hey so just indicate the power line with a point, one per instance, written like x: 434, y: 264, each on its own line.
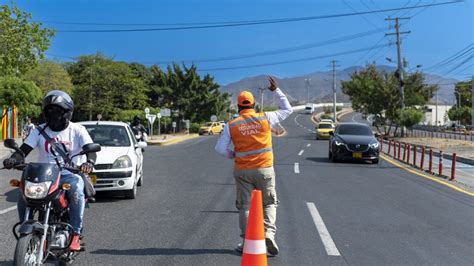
x: 292, y: 61
x: 451, y: 58
x: 254, y: 22
x: 353, y: 9
x: 279, y: 51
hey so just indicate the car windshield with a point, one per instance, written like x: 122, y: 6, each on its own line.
x: 308, y: 108
x: 324, y: 126
x: 208, y: 124
x: 354, y: 130
x: 108, y: 135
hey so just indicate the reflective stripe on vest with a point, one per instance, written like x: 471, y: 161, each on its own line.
x: 247, y: 153
x: 247, y: 120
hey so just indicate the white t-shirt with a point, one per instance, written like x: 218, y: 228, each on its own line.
x: 72, y: 139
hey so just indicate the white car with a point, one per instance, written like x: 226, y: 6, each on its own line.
x: 119, y: 164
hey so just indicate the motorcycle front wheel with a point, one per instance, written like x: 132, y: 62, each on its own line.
x: 27, y: 250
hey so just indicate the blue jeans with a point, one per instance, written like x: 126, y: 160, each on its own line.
x: 75, y: 197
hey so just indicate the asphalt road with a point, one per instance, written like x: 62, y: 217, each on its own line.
x: 329, y: 213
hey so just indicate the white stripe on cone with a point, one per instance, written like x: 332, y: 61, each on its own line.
x: 255, y: 247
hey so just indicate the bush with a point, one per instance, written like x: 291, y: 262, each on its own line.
x: 194, y: 127
x: 410, y: 117
x: 338, y: 108
x: 326, y: 116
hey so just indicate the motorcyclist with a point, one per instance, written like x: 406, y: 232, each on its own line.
x: 57, y: 107
x: 139, y: 129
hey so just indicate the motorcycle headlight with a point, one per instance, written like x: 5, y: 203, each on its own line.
x: 339, y: 143
x: 37, y: 190
x: 374, y: 145
x: 122, y: 162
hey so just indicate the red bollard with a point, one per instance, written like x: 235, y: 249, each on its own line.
x: 414, y: 155
x: 430, y: 163
x: 422, y: 159
x: 394, y: 149
x: 440, y: 166
x: 389, y: 146
x: 408, y: 153
x: 453, y: 167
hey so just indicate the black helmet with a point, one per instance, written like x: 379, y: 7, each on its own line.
x: 136, y: 120
x: 57, y: 109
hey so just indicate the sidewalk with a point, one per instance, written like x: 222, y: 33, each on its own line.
x: 164, y: 140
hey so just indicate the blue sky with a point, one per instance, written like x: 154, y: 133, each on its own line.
x: 436, y: 33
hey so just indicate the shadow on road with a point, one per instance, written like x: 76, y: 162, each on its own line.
x: 6, y: 263
x: 164, y: 252
x: 11, y: 196
x: 220, y: 211
x: 349, y: 163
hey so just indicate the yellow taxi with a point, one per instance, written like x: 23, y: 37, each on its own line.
x: 211, y: 128
x: 324, y: 129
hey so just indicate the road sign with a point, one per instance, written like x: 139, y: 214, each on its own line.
x: 151, y: 118
x: 147, y: 110
x: 99, y: 117
x: 173, y: 124
x: 165, y: 112
x: 213, y: 118
x: 158, y: 115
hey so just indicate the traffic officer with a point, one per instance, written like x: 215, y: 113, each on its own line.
x: 251, y: 136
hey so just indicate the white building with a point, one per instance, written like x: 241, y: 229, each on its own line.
x: 434, y: 113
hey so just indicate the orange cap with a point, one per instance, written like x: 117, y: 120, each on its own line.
x: 245, y: 98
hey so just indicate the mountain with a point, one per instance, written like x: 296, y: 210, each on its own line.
x: 319, y: 86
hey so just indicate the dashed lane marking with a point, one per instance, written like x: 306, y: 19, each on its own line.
x: 300, y: 153
x: 326, y: 238
x: 8, y: 210
x: 308, y: 145
x: 297, y: 168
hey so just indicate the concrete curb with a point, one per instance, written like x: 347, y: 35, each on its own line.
x: 173, y: 141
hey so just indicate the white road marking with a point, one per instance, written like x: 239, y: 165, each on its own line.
x: 297, y: 168
x: 8, y: 210
x: 326, y: 238
x: 301, y: 153
x: 308, y: 145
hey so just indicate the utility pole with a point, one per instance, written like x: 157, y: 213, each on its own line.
x: 472, y: 100
x: 333, y: 62
x: 307, y: 89
x: 399, y: 59
x: 261, y: 89
x: 436, y: 117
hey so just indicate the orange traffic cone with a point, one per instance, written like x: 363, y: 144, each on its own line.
x: 255, y: 249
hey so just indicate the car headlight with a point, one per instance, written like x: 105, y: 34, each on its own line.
x: 339, y: 143
x: 374, y: 145
x: 122, y: 162
x: 37, y: 190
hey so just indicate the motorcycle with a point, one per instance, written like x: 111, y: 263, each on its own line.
x: 45, y: 233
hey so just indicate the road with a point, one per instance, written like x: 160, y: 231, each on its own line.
x: 185, y: 213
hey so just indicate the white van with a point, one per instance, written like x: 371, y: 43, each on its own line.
x: 309, y: 109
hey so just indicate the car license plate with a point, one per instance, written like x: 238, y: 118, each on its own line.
x: 93, y: 179
x: 357, y: 155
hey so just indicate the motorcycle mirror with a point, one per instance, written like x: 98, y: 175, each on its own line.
x: 11, y: 144
x: 91, y: 147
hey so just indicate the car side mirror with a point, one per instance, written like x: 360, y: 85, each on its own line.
x: 91, y: 147
x: 377, y: 135
x: 141, y: 145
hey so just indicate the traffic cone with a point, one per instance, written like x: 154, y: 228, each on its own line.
x: 255, y: 249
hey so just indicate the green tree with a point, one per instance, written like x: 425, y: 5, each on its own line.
x: 376, y: 92
x: 462, y: 111
x: 22, y: 42
x: 25, y: 95
x: 49, y: 75
x: 103, y: 86
x: 409, y: 117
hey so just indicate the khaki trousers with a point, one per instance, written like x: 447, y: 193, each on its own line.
x: 262, y: 179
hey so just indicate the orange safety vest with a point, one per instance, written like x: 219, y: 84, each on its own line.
x: 252, y: 139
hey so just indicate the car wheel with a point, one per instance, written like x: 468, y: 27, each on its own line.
x: 376, y: 161
x: 329, y: 155
x: 211, y: 133
x: 334, y: 158
x: 130, y: 193
x: 140, y: 181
